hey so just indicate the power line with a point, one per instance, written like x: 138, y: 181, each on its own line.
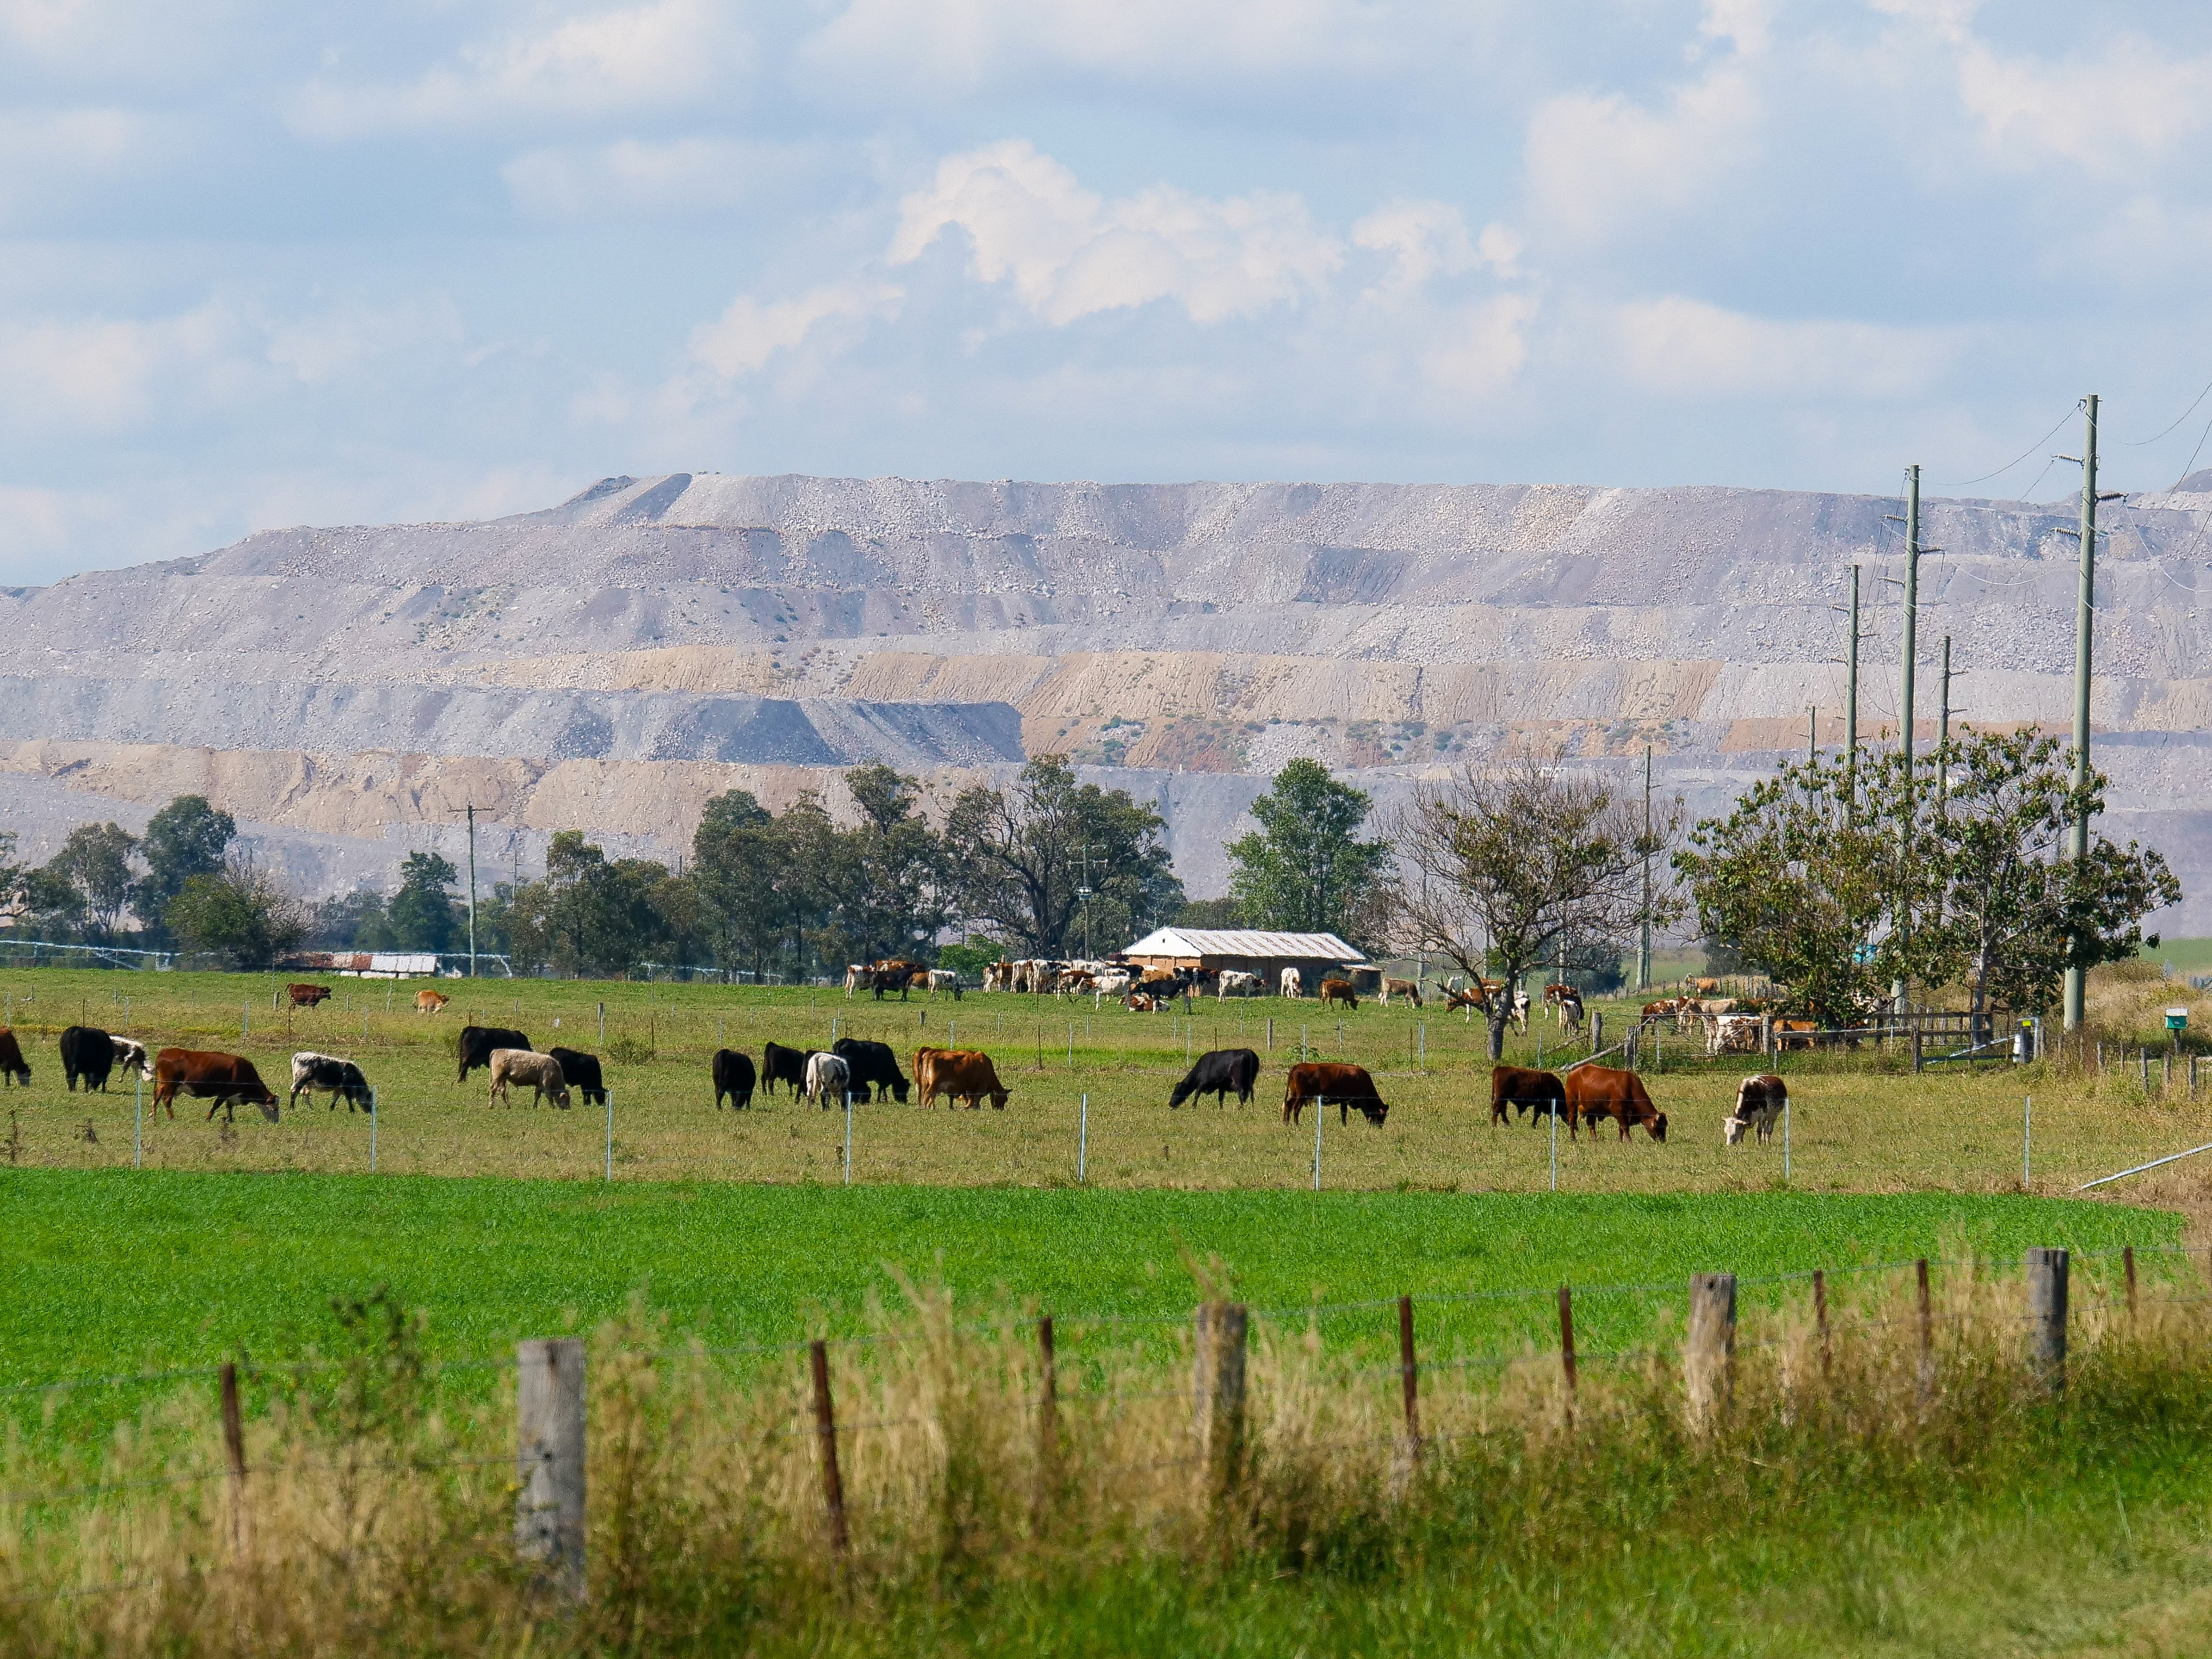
x: 1953, y: 483
x: 2138, y: 443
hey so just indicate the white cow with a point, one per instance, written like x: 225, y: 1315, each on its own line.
x: 829, y: 1079
x: 1759, y: 1099
x: 1113, y: 983
x: 1732, y: 1034
x: 858, y: 978
x: 1235, y: 981
x: 943, y: 979
x: 1571, y: 1014
x: 1294, y: 984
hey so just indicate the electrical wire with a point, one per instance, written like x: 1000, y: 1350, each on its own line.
x: 2138, y: 443
x: 1953, y: 483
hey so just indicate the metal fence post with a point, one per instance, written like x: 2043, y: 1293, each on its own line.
x: 1083, y: 1141
x: 372, y: 1131
x: 549, y: 1459
x: 608, y: 1096
x: 138, y: 1123
x: 2046, y: 1315
x: 1710, y: 1354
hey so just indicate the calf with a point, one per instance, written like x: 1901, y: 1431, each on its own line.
x: 311, y: 1072
x: 733, y: 1076
x: 1599, y: 1092
x: 541, y: 1072
x: 478, y: 1043
x: 430, y: 1002
x: 1217, y: 1074
x: 828, y: 1079
x: 88, y: 1053
x: 306, y: 996
x: 782, y: 1064
x: 1523, y: 1089
x: 1320, y: 1082
x: 225, y: 1080
x: 961, y: 1075
x: 131, y: 1056
x: 871, y: 1065
x: 1758, y: 1100
x: 581, y: 1073
x: 1339, y: 990
x: 13, y: 1066
x: 1408, y: 988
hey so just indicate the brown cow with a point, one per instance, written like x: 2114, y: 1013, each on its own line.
x: 226, y: 1080
x: 1339, y: 990
x: 959, y: 1074
x: 1323, y: 1081
x: 1408, y: 988
x: 306, y: 996
x: 1597, y: 1091
x: 430, y: 1002
x: 15, y: 1069
x: 1796, y: 1033
x: 1705, y: 987
x: 1525, y: 1089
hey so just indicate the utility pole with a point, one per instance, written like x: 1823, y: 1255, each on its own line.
x: 1851, y: 714
x: 1811, y: 733
x: 1084, y: 893
x: 1899, y: 988
x: 1943, y: 734
x: 2085, y: 607
x: 1644, y: 935
x: 470, y: 812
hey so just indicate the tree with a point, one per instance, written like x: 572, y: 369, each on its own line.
x: 883, y: 881
x: 1305, y: 870
x: 1505, y: 865
x: 734, y: 857
x: 350, y: 921
x: 588, y: 914
x: 1015, y: 858
x: 95, y: 860
x: 422, y: 912
x: 187, y: 838
x: 1214, y: 913
x: 241, y: 913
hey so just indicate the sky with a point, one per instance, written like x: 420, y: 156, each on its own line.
x: 272, y: 264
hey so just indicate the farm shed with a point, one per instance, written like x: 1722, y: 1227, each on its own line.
x: 1316, y: 955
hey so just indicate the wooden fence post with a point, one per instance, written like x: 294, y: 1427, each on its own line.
x: 1047, y: 1404
x: 2128, y: 1260
x: 549, y: 1459
x: 1409, y: 1377
x: 1927, y: 1331
x: 825, y: 1434
x: 1710, y: 1354
x: 1219, y: 1391
x: 1821, y: 1318
x: 1567, y: 1348
x: 2046, y: 1315
x: 234, y: 1447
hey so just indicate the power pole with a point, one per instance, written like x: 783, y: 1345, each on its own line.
x: 1897, y: 987
x: 2085, y: 607
x: 1811, y: 733
x: 1851, y: 714
x: 470, y: 812
x: 1943, y: 733
x: 1643, y: 936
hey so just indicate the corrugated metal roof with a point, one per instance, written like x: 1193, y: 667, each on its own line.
x: 1240, y: 942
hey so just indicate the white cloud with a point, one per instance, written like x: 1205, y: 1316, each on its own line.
x: 1070, y: 253
x: 1424, y: 241
x: 634, y: 178
x: 1745, y: 24
x: 747, y: 336
x: 1681, y: 347
x: 48, y: 157
x: 101, y: 375
x: 327, y: 346
x: 1599, y: 165
x: 2135, y: 104
x: 1482, y: 348
x: 667, y: 54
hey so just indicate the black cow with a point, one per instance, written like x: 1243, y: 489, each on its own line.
x: 733, y: 1076
x: 867, y: 1063
x: 478, y: 1041
x: 1216, y: 1075
x: 582, y: 1072
x: 342, y: 1078
x: 88, y: 1053
x: 782, y: 1064
x: 891, y: 979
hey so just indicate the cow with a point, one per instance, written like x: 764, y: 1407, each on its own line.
x: 225, y: 1080
x: 1556, y: 991
x: 541, y: 1072
x: 999, y: 976
x: 1705, y: 987
x: 311, y: 1072
x: 478, y: 1042
x: 1217, y: 1073
x: 945, y: 979
x: 1112, y: 984
x: 1408, y: 988
x: 1294, y: 983
x: 1597, y: 1091
x: 871, y: 1065
x: 88, y: 1053
x: 306, y: 996
x: 827, y: 1080
x: 1469, y: 998
x: 733, y: 1076
x: 431, y: 1002
x: 1339, y: 990
x: 1236, y: 982
x: 1732, y: 1034
x: 1670, y: 1009
x: 581, y: 1073
x: 890, y: 979
x: 857, y: 976
x: 1523, y: 1088
x: 13, y: 1066
x: 1758, y: 1100
x: 959, y: 1074
x: 1796, y: 1033
x: 1570, y: 1014
x: 1320, y: 1082
x: 782, y: 1064
x: 131, y: 1056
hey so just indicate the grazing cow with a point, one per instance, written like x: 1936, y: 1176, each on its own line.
x: 782, y: 1064
x: 733, y: 1076
x: 1526, y: 1089
x: 1216, y: 1075
x: 871, y: 1065
x: 13, y: 1066
x: 1758, y: 1100
x: 1320, y: 1082
x: 478, y: 1042
x: 541, y: 1072
x: 1570, y: 1014
x: 581, y: 1073
x: 959, y: 1074
x: 890, y: 979
x: 857, y: 976
x: 225, y: 1080
x: 1236, y: 982
x: 1469, y: 998
x: 1408, y: 988
x: 431, y: 1002
x: 1339, y: 990
x: 1293, y: 983
x: 311, y: 1072
x: 1732, y: 1034
x: 829, y: 1079
x: 1599, y: 1092
x: 945, y: 979
x: 306, y: 996
x: 88, y: 1053
x: 131, y: 1056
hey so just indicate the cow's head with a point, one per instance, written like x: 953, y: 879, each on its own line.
x: 1658, y: 1125
x: 1374, y: 1111
x: 560, y: 1097
x: 267, y: 1102
x: 1732, y: 1129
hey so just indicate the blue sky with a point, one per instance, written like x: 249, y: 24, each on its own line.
x: 444, y: 258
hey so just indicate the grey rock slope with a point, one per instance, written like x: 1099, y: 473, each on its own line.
x: 610, y: 662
